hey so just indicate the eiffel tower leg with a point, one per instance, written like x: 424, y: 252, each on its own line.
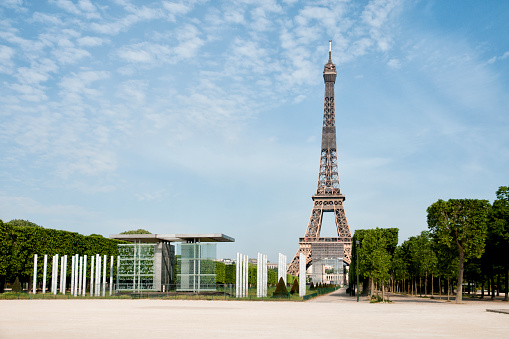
x: 312, y: 232
x: 343, y: 229
x: 293, y: 268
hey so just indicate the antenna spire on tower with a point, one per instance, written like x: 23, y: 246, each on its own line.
x: 330, y: 50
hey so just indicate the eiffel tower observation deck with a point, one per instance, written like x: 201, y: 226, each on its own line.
x: 328, y: 197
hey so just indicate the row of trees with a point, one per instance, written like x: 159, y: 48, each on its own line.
x: 21, y: 239
x: 467, y: 240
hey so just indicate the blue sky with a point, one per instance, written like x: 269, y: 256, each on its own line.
x: 205, y: 117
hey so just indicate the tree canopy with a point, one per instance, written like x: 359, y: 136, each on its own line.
x: 461, y: 224
x: 138, y: 231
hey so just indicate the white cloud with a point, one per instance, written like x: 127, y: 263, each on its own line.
x: 151, y: 196
x: 67, y: 5
x: 15, y: 206
x: 189, y: 42
x: 70, y: 55
x: 15, y: 4
x: 133, y: 91
x: 46, y: 18
x: 145, y: 53
x: 497, y: 58
x: 394, y: 63
x: 6, y: 62
x: 175, y: 9
x: 376, y: 15
x: 29, y: 93
x: 138, y: 14
x: 89, y: 41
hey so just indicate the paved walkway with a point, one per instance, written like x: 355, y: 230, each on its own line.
x: 334, y: 315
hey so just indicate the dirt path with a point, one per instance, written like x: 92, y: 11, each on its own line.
x: 330, y: 316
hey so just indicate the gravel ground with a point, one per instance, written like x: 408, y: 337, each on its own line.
x: 334, y: 315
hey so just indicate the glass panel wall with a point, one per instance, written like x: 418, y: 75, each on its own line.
x: 136, y: 271
x: 196, y: 267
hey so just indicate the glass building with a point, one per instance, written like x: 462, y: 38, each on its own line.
x: 148, y: 263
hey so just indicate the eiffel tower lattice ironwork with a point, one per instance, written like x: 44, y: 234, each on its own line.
x: 328, y: 197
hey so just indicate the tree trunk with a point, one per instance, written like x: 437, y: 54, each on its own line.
x: 383, y: 291
x: 498, y: 285
x: 439, y: 288
x: 506, y: 283
x: 432, y: 285
x: 448, y: 289
x: 482, y: 289
x: 426, y: 285
x: 492, y: 287
x: 459, y: 289
x: 420, y: 286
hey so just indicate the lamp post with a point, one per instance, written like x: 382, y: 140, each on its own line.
x: 357, y: 267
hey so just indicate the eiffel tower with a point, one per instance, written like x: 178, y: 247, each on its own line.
x: 328, y: 197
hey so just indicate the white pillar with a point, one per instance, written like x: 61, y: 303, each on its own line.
x: 111, y: 275
x: 302, y: 274
x: 265, y: 275
x: 54, y: 274
x: 278, y: 267
x: 118, y: 268
x: 84, y: 284
x: 61, y: 287
x: 246, y: 276
x: 92, y: 272
x: 104, y: 276
x: 34, y: 287
x: 281, y: 267
x: 97, y: 275
x: 72, y: 274
x: 55, y: 286
x: 258, y: 275
x: 44, y: 273
x: 52, y: 286
x: 64, y: 275
x: 76, y: 274
x: 237, y: 278
x: 80, y: 275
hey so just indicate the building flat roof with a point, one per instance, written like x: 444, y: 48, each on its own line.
x: 154, y: 238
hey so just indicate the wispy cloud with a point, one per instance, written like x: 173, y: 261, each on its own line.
x: 498, y: 58
x: 6, y: 62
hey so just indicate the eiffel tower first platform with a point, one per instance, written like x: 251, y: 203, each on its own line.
x: 328, y: 197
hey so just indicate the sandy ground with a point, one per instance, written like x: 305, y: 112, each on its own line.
x: 335, y: 315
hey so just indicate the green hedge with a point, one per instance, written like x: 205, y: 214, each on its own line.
x: 18, y: 244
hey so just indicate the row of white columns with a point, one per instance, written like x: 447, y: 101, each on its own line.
x: 281, y: 267
x: 241, y: 275
x: 261, y: 276
x: 78, y: 275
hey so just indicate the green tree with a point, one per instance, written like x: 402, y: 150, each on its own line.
x: 21, y: 222
x: 138, y: 231
x: 399, y: 268
x: 374, y: 256
x: 498, y: 233
x: 5, y: 253
x: 460, y: 223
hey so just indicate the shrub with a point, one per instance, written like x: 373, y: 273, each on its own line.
x: 281, y: 288
x: 295, y: 286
